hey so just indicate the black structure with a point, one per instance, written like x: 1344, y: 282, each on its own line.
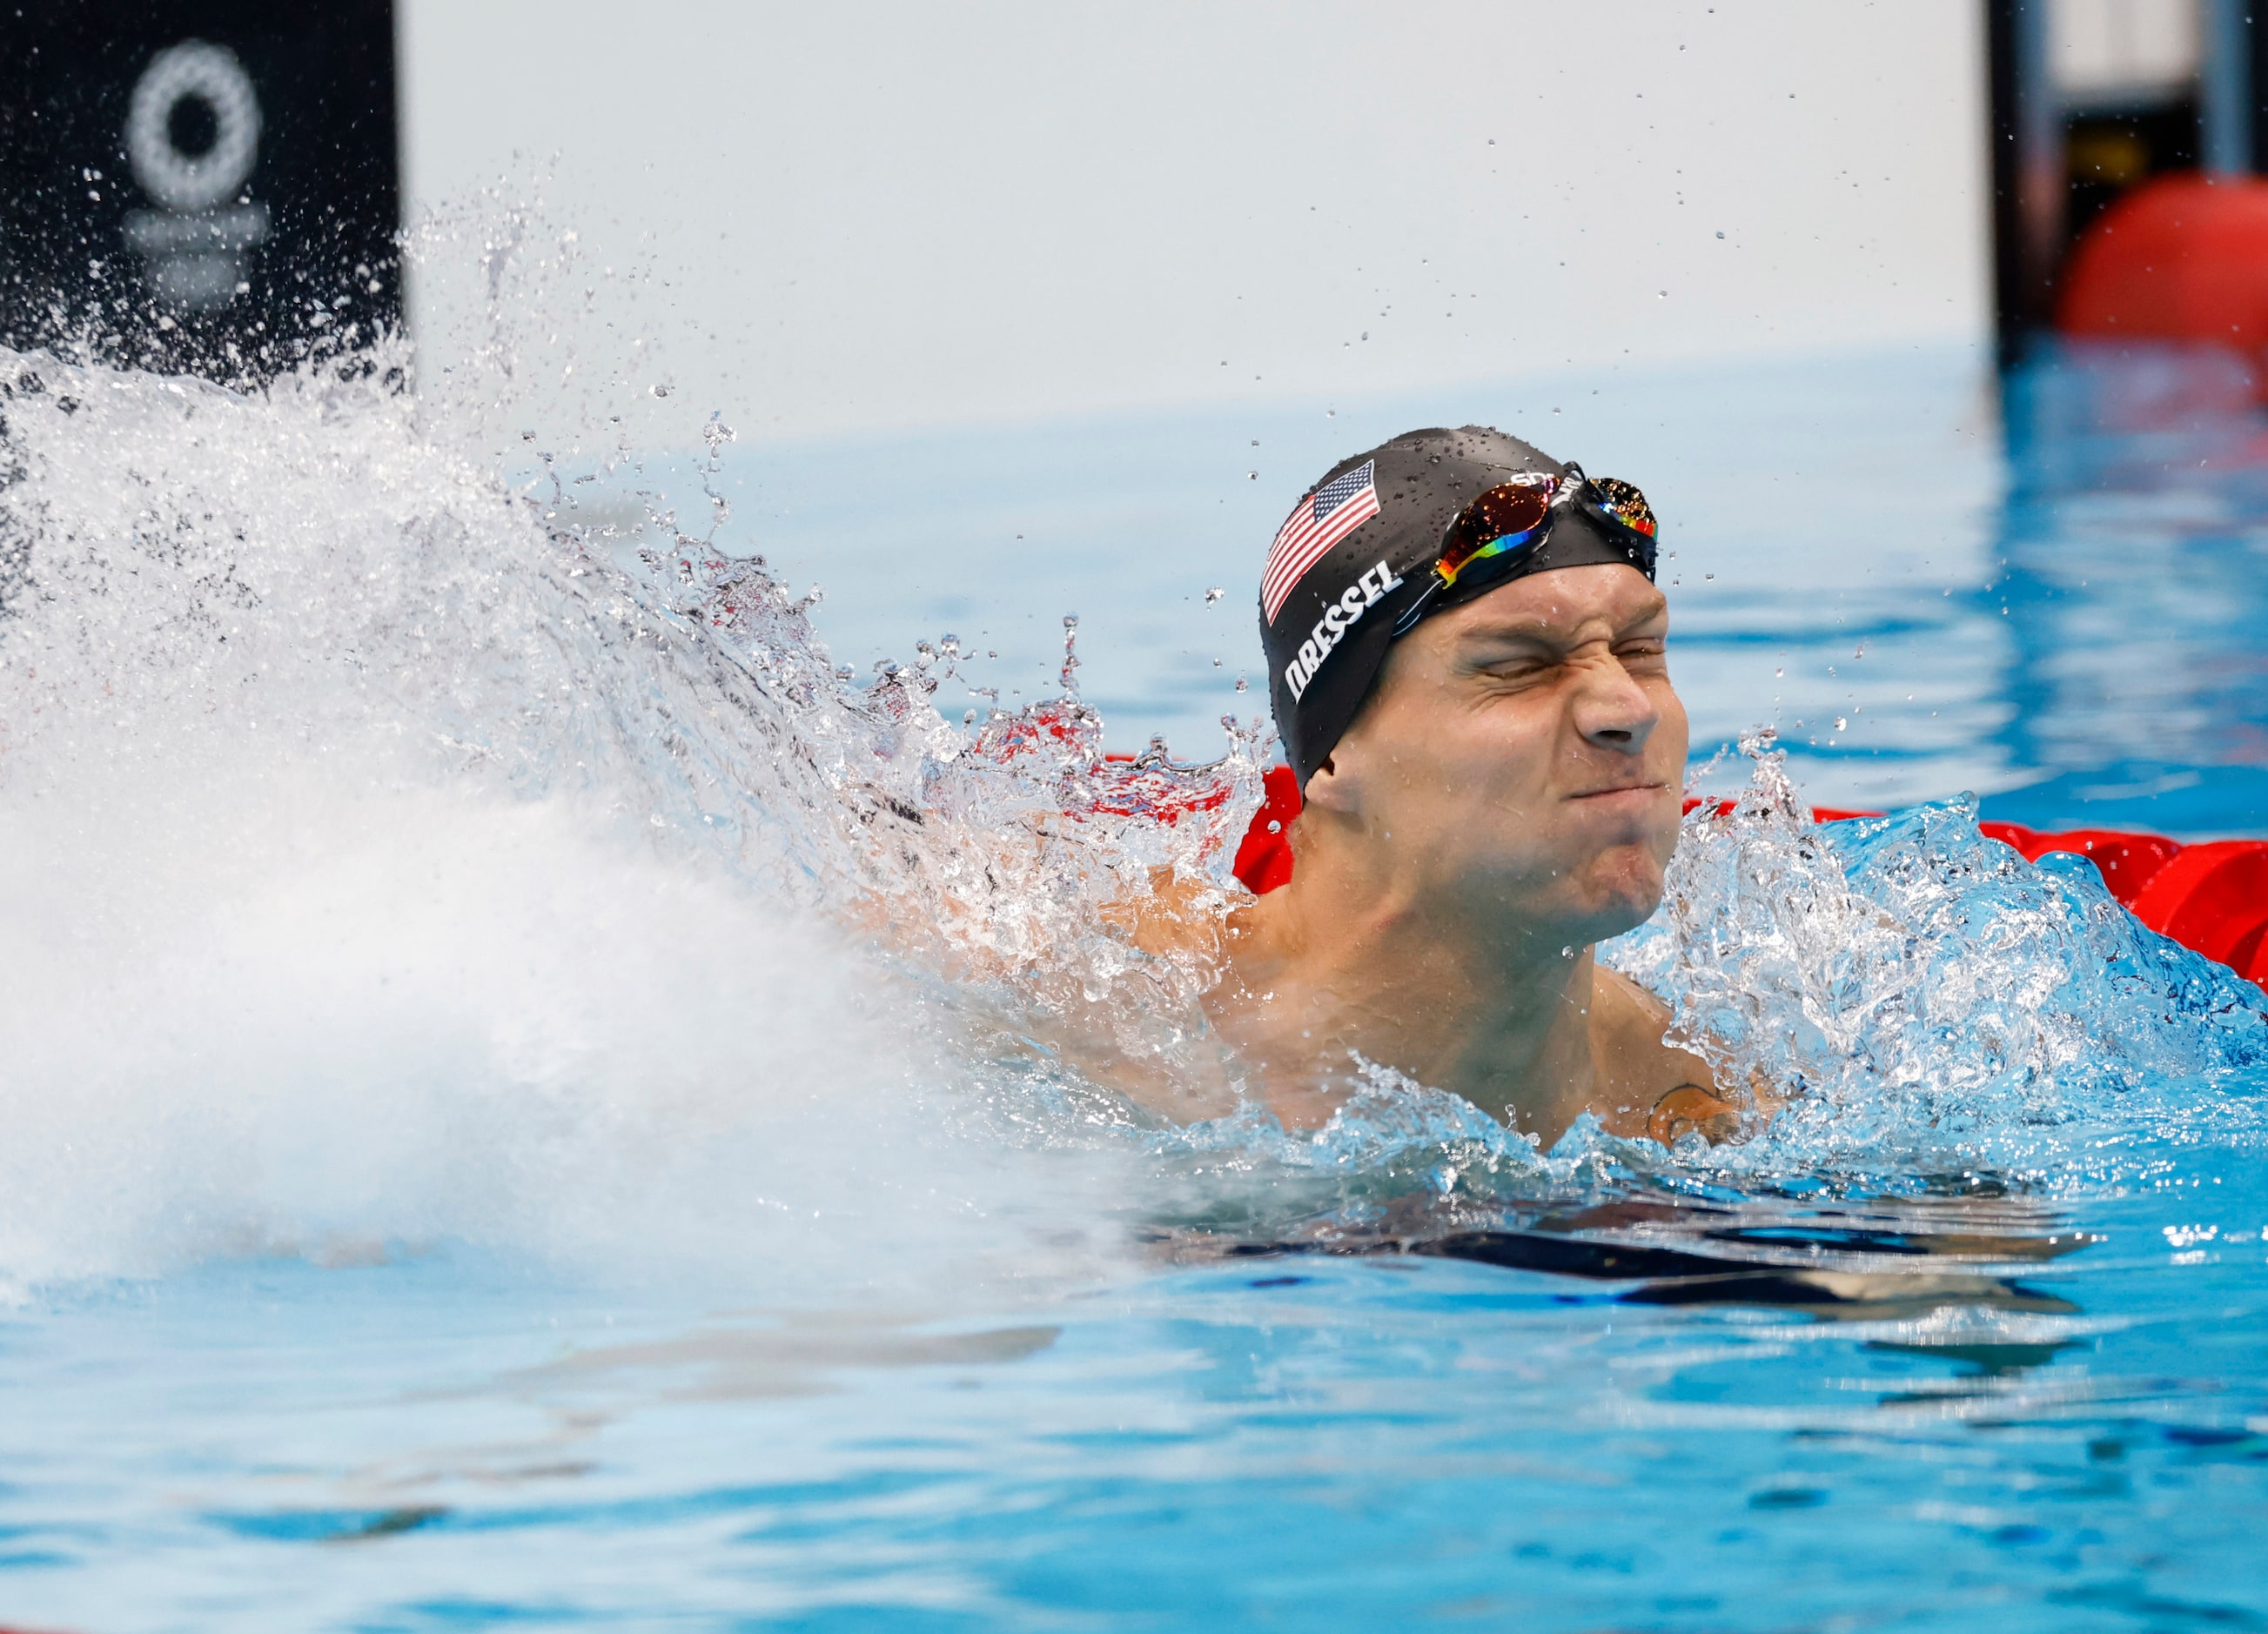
x: 2027, y: 182
x: 2254, y: 15
x: 2058, y: 163
x: 201, y: 185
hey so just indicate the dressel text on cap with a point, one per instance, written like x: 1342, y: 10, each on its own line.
x: 1338, y: 617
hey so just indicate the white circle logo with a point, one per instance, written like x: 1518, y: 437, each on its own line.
x: 209, y: 74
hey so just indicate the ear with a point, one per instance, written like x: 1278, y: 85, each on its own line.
x: 1336, y: 784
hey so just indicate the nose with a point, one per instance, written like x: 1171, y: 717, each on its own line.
x: 1612, y: 710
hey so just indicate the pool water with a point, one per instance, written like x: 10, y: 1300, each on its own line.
x: 456, y: 1216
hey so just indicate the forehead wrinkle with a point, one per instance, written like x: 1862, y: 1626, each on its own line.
x: 1523, y: 624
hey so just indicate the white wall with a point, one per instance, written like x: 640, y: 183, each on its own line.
x: 2109, y: 51
x: 898, y: 214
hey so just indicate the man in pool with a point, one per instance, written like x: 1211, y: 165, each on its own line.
x: 1466, y: 658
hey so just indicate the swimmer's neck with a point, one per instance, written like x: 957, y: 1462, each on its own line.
x: 1334, y: 961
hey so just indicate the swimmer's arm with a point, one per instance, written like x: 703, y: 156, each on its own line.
x: 1177, y: 918
x: 1658, y: 1089
x: 1689, y: 1108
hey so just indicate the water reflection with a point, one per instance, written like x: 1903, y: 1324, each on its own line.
x: 2134, y: 584
x: 1940, y: 1274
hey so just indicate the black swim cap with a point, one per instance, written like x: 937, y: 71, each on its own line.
x: 1356, y: 556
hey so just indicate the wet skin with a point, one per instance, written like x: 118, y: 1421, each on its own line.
x: 1508, y: 797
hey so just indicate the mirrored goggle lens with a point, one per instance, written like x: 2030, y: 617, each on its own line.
x: 1504, y: 520
x: 1623, y: 501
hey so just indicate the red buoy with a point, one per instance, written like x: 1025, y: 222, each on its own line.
x: 2182, y: 257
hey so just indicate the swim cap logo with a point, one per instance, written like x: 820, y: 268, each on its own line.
x: 1338, y: 618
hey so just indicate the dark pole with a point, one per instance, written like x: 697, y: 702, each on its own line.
x: 2256, y: 43
x: 2027, y: 178
x: 2228, y: 105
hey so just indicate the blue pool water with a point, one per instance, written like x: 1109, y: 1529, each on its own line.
x: 452, y: 1216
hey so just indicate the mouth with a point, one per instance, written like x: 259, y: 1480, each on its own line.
x: 1620, y: 792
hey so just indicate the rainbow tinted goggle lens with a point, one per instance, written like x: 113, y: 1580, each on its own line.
x: 1494, y: 535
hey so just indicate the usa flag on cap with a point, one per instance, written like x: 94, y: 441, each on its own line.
x: 1316, y: 523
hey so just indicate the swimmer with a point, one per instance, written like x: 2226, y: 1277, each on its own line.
x: 1466, y: 653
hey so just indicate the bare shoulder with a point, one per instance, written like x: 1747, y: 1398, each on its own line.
x: 1650, y: 1086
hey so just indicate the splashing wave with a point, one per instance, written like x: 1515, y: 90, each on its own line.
x: 385, y: 859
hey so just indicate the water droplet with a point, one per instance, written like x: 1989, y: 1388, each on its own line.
x: 1252, y: 476
x: 1681, y: 48
x: 660, y: 390
x: 1661, y: 294
x: 1274, y: 826
x: 1842, y: 722
x: 1215, y: 593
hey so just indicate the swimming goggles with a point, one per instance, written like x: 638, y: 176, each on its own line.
x: 1496, y: 536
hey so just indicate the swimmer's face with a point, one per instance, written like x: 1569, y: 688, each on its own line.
x: 1523, y: 755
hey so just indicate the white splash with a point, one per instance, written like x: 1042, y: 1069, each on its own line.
x: 391, y: 856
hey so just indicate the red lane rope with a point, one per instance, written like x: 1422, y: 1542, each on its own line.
x: 1263, y: 860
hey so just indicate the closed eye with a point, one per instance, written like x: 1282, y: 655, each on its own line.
x: 1520, y: 665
